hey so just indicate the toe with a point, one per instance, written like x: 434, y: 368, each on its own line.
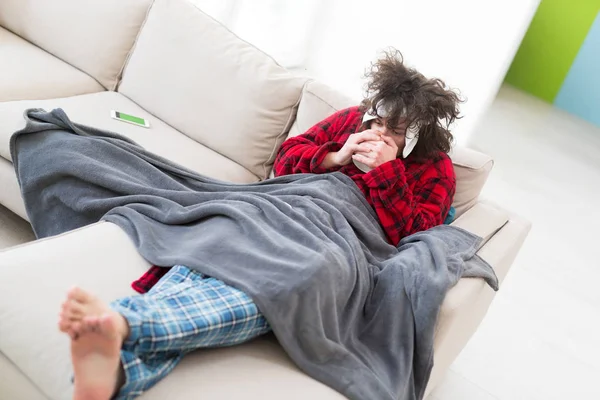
x: 72, y: 314
x: 74, y: 330
x: 64, y: 325
x: 80, y: 295
x: 75, y: 307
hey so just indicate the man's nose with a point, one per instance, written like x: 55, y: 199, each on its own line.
x: 382, y: 130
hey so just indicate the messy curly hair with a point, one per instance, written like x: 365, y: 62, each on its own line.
x: 425, y: 103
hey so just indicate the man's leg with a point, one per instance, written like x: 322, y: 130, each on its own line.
x: 186, y: 310
x: 183, y: 312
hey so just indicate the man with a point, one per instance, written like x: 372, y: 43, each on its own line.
x: 394, y: 147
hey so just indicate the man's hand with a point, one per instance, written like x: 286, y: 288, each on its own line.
x: 377, y: 152
x: 356, y: 143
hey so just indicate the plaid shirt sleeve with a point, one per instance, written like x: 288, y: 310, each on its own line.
x: 149, y: 279
x: 403, y: 211
x: 305, y: 153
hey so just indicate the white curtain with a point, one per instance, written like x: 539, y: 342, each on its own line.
x: 310, y: 36
x: 282, y: 29
x: 467, y: 43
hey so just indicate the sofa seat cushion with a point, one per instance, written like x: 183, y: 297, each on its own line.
x: 259, y: 370
x: 29, y: 72
x: 160, y: 138
x: 102, y: 259
x: 212, y: 86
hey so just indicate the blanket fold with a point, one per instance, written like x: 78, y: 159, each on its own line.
x: 350, y: 309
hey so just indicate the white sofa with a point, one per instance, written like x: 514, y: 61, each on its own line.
x: 217, y: 105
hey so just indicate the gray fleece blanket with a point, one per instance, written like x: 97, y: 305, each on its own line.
x: 350, y: 309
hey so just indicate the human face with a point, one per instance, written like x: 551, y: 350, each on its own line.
x: 398, y: 134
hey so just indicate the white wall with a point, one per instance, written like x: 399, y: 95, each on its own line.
x: 467, y: 43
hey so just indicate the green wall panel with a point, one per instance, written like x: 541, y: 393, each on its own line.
x: 550, y: 46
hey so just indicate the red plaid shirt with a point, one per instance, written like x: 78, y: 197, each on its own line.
x: 409, y: 196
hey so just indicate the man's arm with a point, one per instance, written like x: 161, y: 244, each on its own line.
x: 403, y: 212
x: 330, y: 161
x: 314, y: 151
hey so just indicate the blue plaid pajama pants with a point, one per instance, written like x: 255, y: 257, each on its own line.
x: 183, y: 312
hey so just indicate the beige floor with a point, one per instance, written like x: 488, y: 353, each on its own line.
x: 541, y: 337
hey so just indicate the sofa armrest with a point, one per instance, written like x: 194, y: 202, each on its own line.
x: 503, y: 234
x: 99, y: 257
x: 14, y: 385
x: 467, y: 303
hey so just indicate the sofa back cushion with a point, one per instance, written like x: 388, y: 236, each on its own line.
x: 196, y: 75
x: 318, y: 102
x: 93, y: 36
x: 471, y: 167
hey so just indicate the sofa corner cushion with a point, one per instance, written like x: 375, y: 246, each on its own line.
x: 196, y: 75
x: 94, y: 36
x: 29, y: 72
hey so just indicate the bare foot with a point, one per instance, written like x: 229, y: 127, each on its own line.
x: 97, y: 333
x: 80, y: 305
